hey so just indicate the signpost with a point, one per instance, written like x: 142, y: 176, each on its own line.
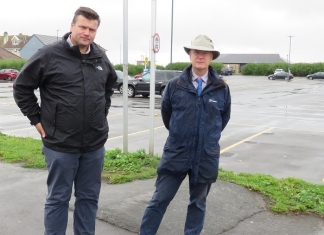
x: 125, y: 76
x: 155, y: 43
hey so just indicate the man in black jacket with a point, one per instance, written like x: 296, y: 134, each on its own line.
x: 75, y: 80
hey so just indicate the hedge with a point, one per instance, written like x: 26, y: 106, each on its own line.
x: 260, y: 69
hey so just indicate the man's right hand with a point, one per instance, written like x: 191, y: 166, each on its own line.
x: 40, y: 130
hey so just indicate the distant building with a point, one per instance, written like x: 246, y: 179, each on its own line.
x: 36, y: 42
x: 237, y: 61
x: 4, y: 54
x: 13, y: 43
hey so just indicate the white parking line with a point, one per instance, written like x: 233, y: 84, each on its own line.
x: 281, y: 128
x: 28, y: 128
x: 14, y: 114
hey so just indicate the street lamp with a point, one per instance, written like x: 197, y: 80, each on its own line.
x: 57, y: 34
x: 289, y: 55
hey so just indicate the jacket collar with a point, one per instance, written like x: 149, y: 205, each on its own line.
x: 69, y: 41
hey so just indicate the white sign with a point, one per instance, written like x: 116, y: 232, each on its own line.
x: 156, y: 43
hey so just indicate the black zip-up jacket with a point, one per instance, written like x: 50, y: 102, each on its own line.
x: 75, y: 96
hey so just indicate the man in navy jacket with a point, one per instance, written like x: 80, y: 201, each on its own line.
x: 195, y: 109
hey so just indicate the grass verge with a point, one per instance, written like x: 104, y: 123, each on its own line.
x: 288, y: 195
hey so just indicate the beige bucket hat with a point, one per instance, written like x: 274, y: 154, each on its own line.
x: 202, y: 43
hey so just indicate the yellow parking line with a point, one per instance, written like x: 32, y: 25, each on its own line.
x: 139, y: 115
x: 246, y: 139
x: 135, y: 133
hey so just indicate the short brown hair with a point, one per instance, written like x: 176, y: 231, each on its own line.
x: 87, y: 13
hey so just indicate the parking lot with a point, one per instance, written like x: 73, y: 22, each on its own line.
x: 276, y: 127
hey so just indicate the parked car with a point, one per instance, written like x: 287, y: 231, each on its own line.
x: 315, y: 75
x: 9, y: 74
x: 141, y: 86
x: 226, y: 71
x: 280, y: 75
x: 119, y: 83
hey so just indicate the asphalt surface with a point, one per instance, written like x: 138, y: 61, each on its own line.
x: 276, y: 128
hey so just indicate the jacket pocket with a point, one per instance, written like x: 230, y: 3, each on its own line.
x: 48, y: 120
x: 175, y: 146
x: 175, y: 157
x: 212, y: 151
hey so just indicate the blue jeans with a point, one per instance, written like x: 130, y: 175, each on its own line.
x: 166, y: 188
x: 64, y: 169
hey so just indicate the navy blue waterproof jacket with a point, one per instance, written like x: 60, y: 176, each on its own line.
x: 75, y: 96
x: 195, y: 124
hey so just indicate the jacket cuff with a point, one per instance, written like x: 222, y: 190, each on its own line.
x: 34, y: 119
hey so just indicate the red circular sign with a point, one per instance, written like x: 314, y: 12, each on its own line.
x: 156, y: 43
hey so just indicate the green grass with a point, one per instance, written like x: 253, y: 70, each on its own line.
x: 118, y: 167
x: 287, y: 195
x: 23, y: 150
x: 124, y: 167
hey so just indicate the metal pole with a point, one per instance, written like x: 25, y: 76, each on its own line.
x: 152, y: 79
x: 171, y: 36
x: 119, y: 53
x: 125, y: 78
x: 289, y: 53
x: 57, y: 34
x: 149, y: 49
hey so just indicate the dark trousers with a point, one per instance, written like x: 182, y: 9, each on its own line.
x: 166, y: 188
x: 64, y: 169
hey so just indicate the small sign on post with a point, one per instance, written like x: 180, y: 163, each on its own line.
x: 156, y: 43
x: 145, y: 62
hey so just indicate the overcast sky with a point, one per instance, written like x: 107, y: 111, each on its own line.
x: 235, y: 26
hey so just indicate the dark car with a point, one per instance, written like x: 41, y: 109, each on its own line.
x: 318, y: 75
x: 141, y: 86
x: 9, y: 74
x: 280, y: 75
x: 118, y: 86
x: 226, y: 71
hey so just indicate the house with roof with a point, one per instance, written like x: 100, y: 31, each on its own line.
x: 36, y: 42
x: 13, y: 43
x: 237, y: 61
x: 4, y: 54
